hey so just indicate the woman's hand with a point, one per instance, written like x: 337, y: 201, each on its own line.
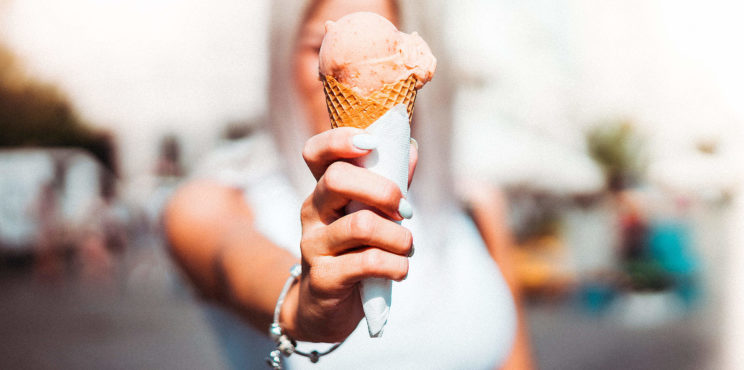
x: 339, y: 250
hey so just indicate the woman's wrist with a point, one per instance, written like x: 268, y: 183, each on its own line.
x: 288, y: 313
x: 287, y: 310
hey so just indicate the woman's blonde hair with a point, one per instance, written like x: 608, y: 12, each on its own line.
x: 432, y: 190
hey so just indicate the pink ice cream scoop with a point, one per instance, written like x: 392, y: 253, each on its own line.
x: 365, y: 52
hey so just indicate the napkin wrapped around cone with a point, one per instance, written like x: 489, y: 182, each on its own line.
x: 385, y: 115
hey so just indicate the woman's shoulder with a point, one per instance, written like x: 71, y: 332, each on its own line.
x: 239, y: 163
x: 219, y: 182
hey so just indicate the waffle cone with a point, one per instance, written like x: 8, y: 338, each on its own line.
x: 348, y: 108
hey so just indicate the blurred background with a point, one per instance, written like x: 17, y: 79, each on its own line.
x: 614, y: 128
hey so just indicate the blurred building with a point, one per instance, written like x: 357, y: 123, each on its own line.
x: 45, y: 186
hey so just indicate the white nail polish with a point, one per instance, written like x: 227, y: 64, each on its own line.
x: 364, y: 141
x: 405, y: 209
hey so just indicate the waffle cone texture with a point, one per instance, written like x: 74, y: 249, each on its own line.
x: 348, y: 108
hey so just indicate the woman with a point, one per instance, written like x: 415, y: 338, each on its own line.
x: 236, y: 233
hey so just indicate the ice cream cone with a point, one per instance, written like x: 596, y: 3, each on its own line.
x: 383, y: 114
x: 348, y: 108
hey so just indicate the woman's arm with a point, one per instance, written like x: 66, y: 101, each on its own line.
x: 210, y: 231
x: 488, y: 208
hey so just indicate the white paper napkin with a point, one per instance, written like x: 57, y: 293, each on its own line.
x: 390, y: 160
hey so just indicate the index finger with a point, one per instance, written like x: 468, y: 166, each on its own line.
x: 330, y: 146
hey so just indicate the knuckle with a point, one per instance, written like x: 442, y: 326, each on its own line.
x: 372, y: 261
x: 307, y: 210
x: 305, y: 248
x: 334, y: 177
x: 308, y: 154
x: 390, y: 192
x: 401, y: 269
x: 316, y: 276
x: 362, y: 225
x: 307, y: 244
x: 316, y: 269
x: 324, y: 277
x: 339, y: 141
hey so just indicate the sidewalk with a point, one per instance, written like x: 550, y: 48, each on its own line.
x: 75, y: 325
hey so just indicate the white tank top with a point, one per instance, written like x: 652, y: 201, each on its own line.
x: 454, y: 311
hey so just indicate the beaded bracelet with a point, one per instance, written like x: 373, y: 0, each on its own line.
x: 284, y: 344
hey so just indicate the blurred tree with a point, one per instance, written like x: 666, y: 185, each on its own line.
x: 33, y: 113
x: 619, y: 151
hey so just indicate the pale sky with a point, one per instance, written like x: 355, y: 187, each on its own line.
x: 147, y: 67
x: 553, y: 68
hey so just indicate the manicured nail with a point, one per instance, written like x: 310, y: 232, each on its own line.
x: 414, y: 143
x: 413, y: 249
x: 405, y: 209
x: 364, y: 141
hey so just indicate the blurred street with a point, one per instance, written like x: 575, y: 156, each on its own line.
x: 563, y: 338
x: 144, y: 320
x: 132, y: 323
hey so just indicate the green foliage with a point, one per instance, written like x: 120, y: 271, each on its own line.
x: 39, y: 115
x: 648, y: 275
x: 618, y: 149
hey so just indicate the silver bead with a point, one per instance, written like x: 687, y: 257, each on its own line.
x: 274, y: 360
x: 275, y: 331
x: 296, y: 270
x: 285, y: 345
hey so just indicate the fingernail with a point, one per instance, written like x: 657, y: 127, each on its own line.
x: 413, y: 249
x: 414, y: 143
x: 405, y: 209
x: 364, y: 141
